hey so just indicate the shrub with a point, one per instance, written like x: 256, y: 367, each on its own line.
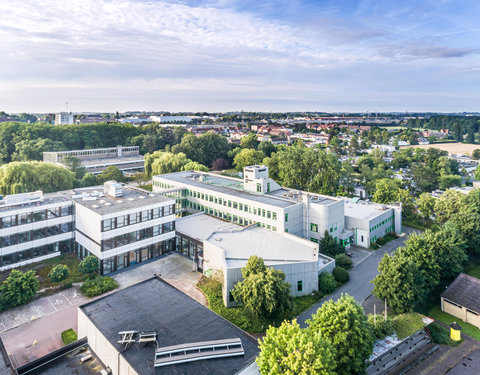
x: 381, y: 328
x: 69, y: 336
x: 97, y: 286
x: 407, y: 324
x: 58, y: 273
x: 340, y: 274
x: 18, y: 289
x: 88, y: 264
x: 441, y: 334
x: 326, y: 283
x: 341, y: 260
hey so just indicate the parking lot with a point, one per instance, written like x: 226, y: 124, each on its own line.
x: 33, y: 330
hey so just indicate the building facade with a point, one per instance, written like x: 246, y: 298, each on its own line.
x: 124, y: 227
x: 125, y: 158
x: 64, y: 118
x: 120, y: 225
x: 34, y: 227
x: 259, y: 199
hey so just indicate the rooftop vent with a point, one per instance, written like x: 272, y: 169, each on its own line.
x: 95, y: 206
x: 130, y: 199
x: 112, y: 189
x: 141, y: 197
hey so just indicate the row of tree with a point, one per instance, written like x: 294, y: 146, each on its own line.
x: 431, y: 260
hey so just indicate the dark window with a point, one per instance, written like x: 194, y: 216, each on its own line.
x: 299, y: 286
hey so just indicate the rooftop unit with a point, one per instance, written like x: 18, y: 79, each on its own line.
x: 112, y: 189
x: 23, y: 198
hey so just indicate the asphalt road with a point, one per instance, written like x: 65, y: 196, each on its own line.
x: 359, y: 285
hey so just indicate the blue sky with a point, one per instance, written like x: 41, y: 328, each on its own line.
x: 225, y: 55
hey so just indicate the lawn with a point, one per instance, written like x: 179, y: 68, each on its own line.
x: 437, y: 314
x: 407, y: 324
x: 43, y: 268
x: 475, y: 272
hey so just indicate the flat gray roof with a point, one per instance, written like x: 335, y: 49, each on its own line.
x: 224, y: 185
x: 200, y: 226
x: 48, y: 198
x: 154, y: 305
x: 95, y: 200
x: 364, y: 210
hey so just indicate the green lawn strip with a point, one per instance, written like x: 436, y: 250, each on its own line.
x: 470, y: 330
x: 407, y: 324
x: 475, y: 272
x: 303, y: 303
x: 69, y: 336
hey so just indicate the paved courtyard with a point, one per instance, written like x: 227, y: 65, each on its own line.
x: 33, y: 330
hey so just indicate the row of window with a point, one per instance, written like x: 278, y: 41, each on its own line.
x: 31, y: 235
x: 137, y: 217
x: 33, y: 217
x: 235, y: 205
x: 138, y: 235
x: 228, y: 216
x: 21, y: 256
x: 381, y: 223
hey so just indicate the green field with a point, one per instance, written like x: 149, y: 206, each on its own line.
x: 441, y: 316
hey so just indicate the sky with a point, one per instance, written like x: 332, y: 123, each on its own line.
x: 252, y: 55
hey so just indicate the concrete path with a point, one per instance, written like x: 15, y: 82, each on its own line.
x: 359, y: 285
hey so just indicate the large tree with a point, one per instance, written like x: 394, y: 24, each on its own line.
x: 111, y: 173
x: 22, y: 177
x: 344, y: 324
x: 161, y: 162
x: 399, y: 281
x: 290, y: 350
x: 263, y: 292
x: 386, y: 191
x: 246, y: 157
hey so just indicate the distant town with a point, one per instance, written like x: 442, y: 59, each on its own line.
x: 209, y: 243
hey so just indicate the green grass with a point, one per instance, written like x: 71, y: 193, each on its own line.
x: 475, y: 272
x: 69, y: 336
x: 470, y: 330
x: 303, y: 303
x: 148, y: 187
x: 407, y: 324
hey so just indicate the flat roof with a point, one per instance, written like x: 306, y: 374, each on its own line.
x: 49, y: 198
x: 132, y: 197
x: 224, y: 185
x: 274, y: 248
x: 200, y: 226
x: 154, y: 305
x: 296, y: 196
x: 71, y: 363
x: 465, y: 291
x: 364, y: 210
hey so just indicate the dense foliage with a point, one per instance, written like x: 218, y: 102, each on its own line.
x: 326, y: 283
x: 58, y: 273
x: 345, y: 326
x: 22, y: 177
x: 69, y: 336
x: 89, y: 264
x: 381, y: 328
x: 18, y: 289
x: 263, y: 292
x: 290, y: 350
x: 98, y: 285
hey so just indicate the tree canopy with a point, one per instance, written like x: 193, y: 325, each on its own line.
x: 344, y: 324
x: 18, y: 289
x: 263, y: 292
x: 290, y: 350
x: 22, y: 177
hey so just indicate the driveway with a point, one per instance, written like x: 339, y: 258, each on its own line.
x: 359, y: 285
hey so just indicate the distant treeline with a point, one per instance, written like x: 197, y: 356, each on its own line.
x: 22, y: 141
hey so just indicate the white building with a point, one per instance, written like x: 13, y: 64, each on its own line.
x: 123, y: 226
x: 64, y: 118
x: 34, y: 227
x: 259, y: 199
x: 222, y: 246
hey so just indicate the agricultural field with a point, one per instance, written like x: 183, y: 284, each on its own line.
x: 451, y: 148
